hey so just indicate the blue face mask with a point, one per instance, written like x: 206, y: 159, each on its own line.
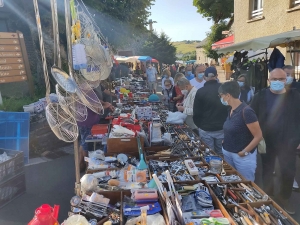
x: 289, y: 80
x: 189, y: 73
x: 223, y: 102
x: 241, y: 84
x: 277, y: 85
x: 200, y: 75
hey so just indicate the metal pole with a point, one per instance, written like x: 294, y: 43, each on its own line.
x: 69, y: 50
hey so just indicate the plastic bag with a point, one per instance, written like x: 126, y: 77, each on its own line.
x: 98, y: 154
x: 176, y: 117
x: 155, y: 219
x: 76, y: 220
x: 88, y: 183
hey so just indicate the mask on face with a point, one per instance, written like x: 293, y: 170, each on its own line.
x: 277, y: 85
x: 189, y: 73
x: 289, y: 80
x: 241, y: 83
x: 200, y: 75
x: 223, y: 102
x: 184, y: 92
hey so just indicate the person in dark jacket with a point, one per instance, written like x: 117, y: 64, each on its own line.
x: 290, y: 80
x: 209, y: 113
x: 278, y: 111
x: 247, y: 92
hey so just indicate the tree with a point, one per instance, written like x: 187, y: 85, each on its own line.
x: 159, y: 47
x: 214, y: 36
x: 216, y: 10
x: 189, y: 56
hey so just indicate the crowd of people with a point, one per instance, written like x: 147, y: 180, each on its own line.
x: 232, y: 120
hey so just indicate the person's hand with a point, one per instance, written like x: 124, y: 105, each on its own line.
x: 241, y: 154
x: 107, y: 105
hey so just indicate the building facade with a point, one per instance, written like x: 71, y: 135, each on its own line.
x: 201, y: 57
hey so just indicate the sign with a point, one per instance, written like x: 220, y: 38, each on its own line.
x: 12, y: 67
x: 7, y: 73
x: 12, y: 79
x: 10, y: 48
x: 10, y: 60
x: 10, y: 54
x: 10, y: 41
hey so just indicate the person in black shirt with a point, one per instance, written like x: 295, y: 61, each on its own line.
x: 278, y: 111
x: 241, y: 132
x: 290, y: 80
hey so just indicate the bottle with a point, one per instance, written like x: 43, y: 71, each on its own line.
x: 45, y: 215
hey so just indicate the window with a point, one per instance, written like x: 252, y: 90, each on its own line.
x: 257, y: 8
x: 295, y: 3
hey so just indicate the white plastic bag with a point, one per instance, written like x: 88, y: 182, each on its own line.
x: 176, y: 117
x: 88, y: 183
x: 156, y: 219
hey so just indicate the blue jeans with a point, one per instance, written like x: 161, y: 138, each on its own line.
x: 213, y: 139
x: 84, y: 132
x: 246, y: 165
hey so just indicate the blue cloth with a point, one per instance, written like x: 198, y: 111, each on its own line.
x: 84, y: 132
x: 237, y: 136
x: 190, y: 77
x: 276, y: 60
x: 151, y: 74
x: 246, y: 165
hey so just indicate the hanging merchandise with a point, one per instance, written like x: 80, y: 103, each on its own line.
x: 276, y: 60
x: 79, y: 57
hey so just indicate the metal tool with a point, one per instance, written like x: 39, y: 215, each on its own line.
x: 241, y: 207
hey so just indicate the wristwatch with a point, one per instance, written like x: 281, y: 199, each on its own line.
x: 245, y: 152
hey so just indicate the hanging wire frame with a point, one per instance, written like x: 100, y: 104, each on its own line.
x: 71, y: 103
x: 87, y: 95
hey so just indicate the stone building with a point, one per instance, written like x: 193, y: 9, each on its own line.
x: 201, y: 57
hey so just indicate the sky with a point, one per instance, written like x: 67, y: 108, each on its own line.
x: 179, y: 20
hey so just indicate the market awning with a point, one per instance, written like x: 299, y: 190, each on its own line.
x: 125, y: 59
x: 154, y: 61
x: 144, y: 58
x: 223, y: 43
x: 282, y: 39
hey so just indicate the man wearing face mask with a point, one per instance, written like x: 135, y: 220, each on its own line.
x: 186, y: 107
x: 209, y: 113
x: 278, y: 111
x: 189, y: 74
x: 290, y: 81
x: 198, y: 82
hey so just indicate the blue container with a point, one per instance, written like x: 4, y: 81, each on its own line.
x: 14, y: 132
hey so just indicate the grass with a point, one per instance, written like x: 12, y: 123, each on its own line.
x: 14, y: 104
x: 184, y: 47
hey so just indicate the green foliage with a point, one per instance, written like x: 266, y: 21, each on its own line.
x: 159, y: 47
x: 184, y: 48
x: 216, y: 10
x: 189, y: 56
x: 14, y: 104
x: 214, y: 36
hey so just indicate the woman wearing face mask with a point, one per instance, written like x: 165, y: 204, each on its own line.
x: 166, y: 74
x: 177, y: 94
x: 186, y: 107
x: 168, y: 95
x: 198, y: 82
x: 242, y: 132
x: 247, y: 92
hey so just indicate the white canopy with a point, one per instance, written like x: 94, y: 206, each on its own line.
x: 282, y: 39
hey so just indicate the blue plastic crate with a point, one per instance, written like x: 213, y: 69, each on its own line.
x: 14, y: 132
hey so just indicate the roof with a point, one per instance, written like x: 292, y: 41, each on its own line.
x: 270, y: 41
x: 202, y: 43
x: 223, y: 43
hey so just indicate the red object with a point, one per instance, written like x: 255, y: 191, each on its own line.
x: 223, y: 43
x: 154, y: 61
x: 121, y: 96
x: 130, y: 95
x: 115, y: 61
x: 99, y: 129
x: 178, y: 92
x: 45, y: 215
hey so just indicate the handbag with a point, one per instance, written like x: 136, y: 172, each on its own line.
x: 261, y: 147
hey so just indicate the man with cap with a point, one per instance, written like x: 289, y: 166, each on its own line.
x: 209, y: 113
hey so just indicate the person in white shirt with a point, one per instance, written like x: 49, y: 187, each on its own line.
x: 166, y: 75
x: 198, y: 82
x: 186, y: 107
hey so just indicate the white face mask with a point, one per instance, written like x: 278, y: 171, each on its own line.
x: 184, y: 92
x: 289, y: 80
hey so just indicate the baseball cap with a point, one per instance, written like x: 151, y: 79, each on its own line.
x: 212, y: 71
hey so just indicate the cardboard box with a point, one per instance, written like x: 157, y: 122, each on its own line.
x: 123, y: 145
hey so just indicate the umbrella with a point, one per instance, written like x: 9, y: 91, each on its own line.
x: 145, y: 58
x: 154, y: 61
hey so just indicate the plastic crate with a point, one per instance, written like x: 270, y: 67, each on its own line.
x: 12, y: 189
x: 99, y: 129
x: 14, y: 132
x: 12, y: 167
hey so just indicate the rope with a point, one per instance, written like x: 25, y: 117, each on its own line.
x: 43, y: 55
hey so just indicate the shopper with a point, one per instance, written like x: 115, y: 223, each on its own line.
x: 209, y: 113
x: 151, y: 75
x: 186, y: 107
x: 177, y: 94
x: 168, y: 95
x: 290, y: 80
x: 242, y: 132
x: 189, y: 74
x: 166, y: 74
x: 278, y: 111
x: 247, y: 92
x: 198, y: 82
